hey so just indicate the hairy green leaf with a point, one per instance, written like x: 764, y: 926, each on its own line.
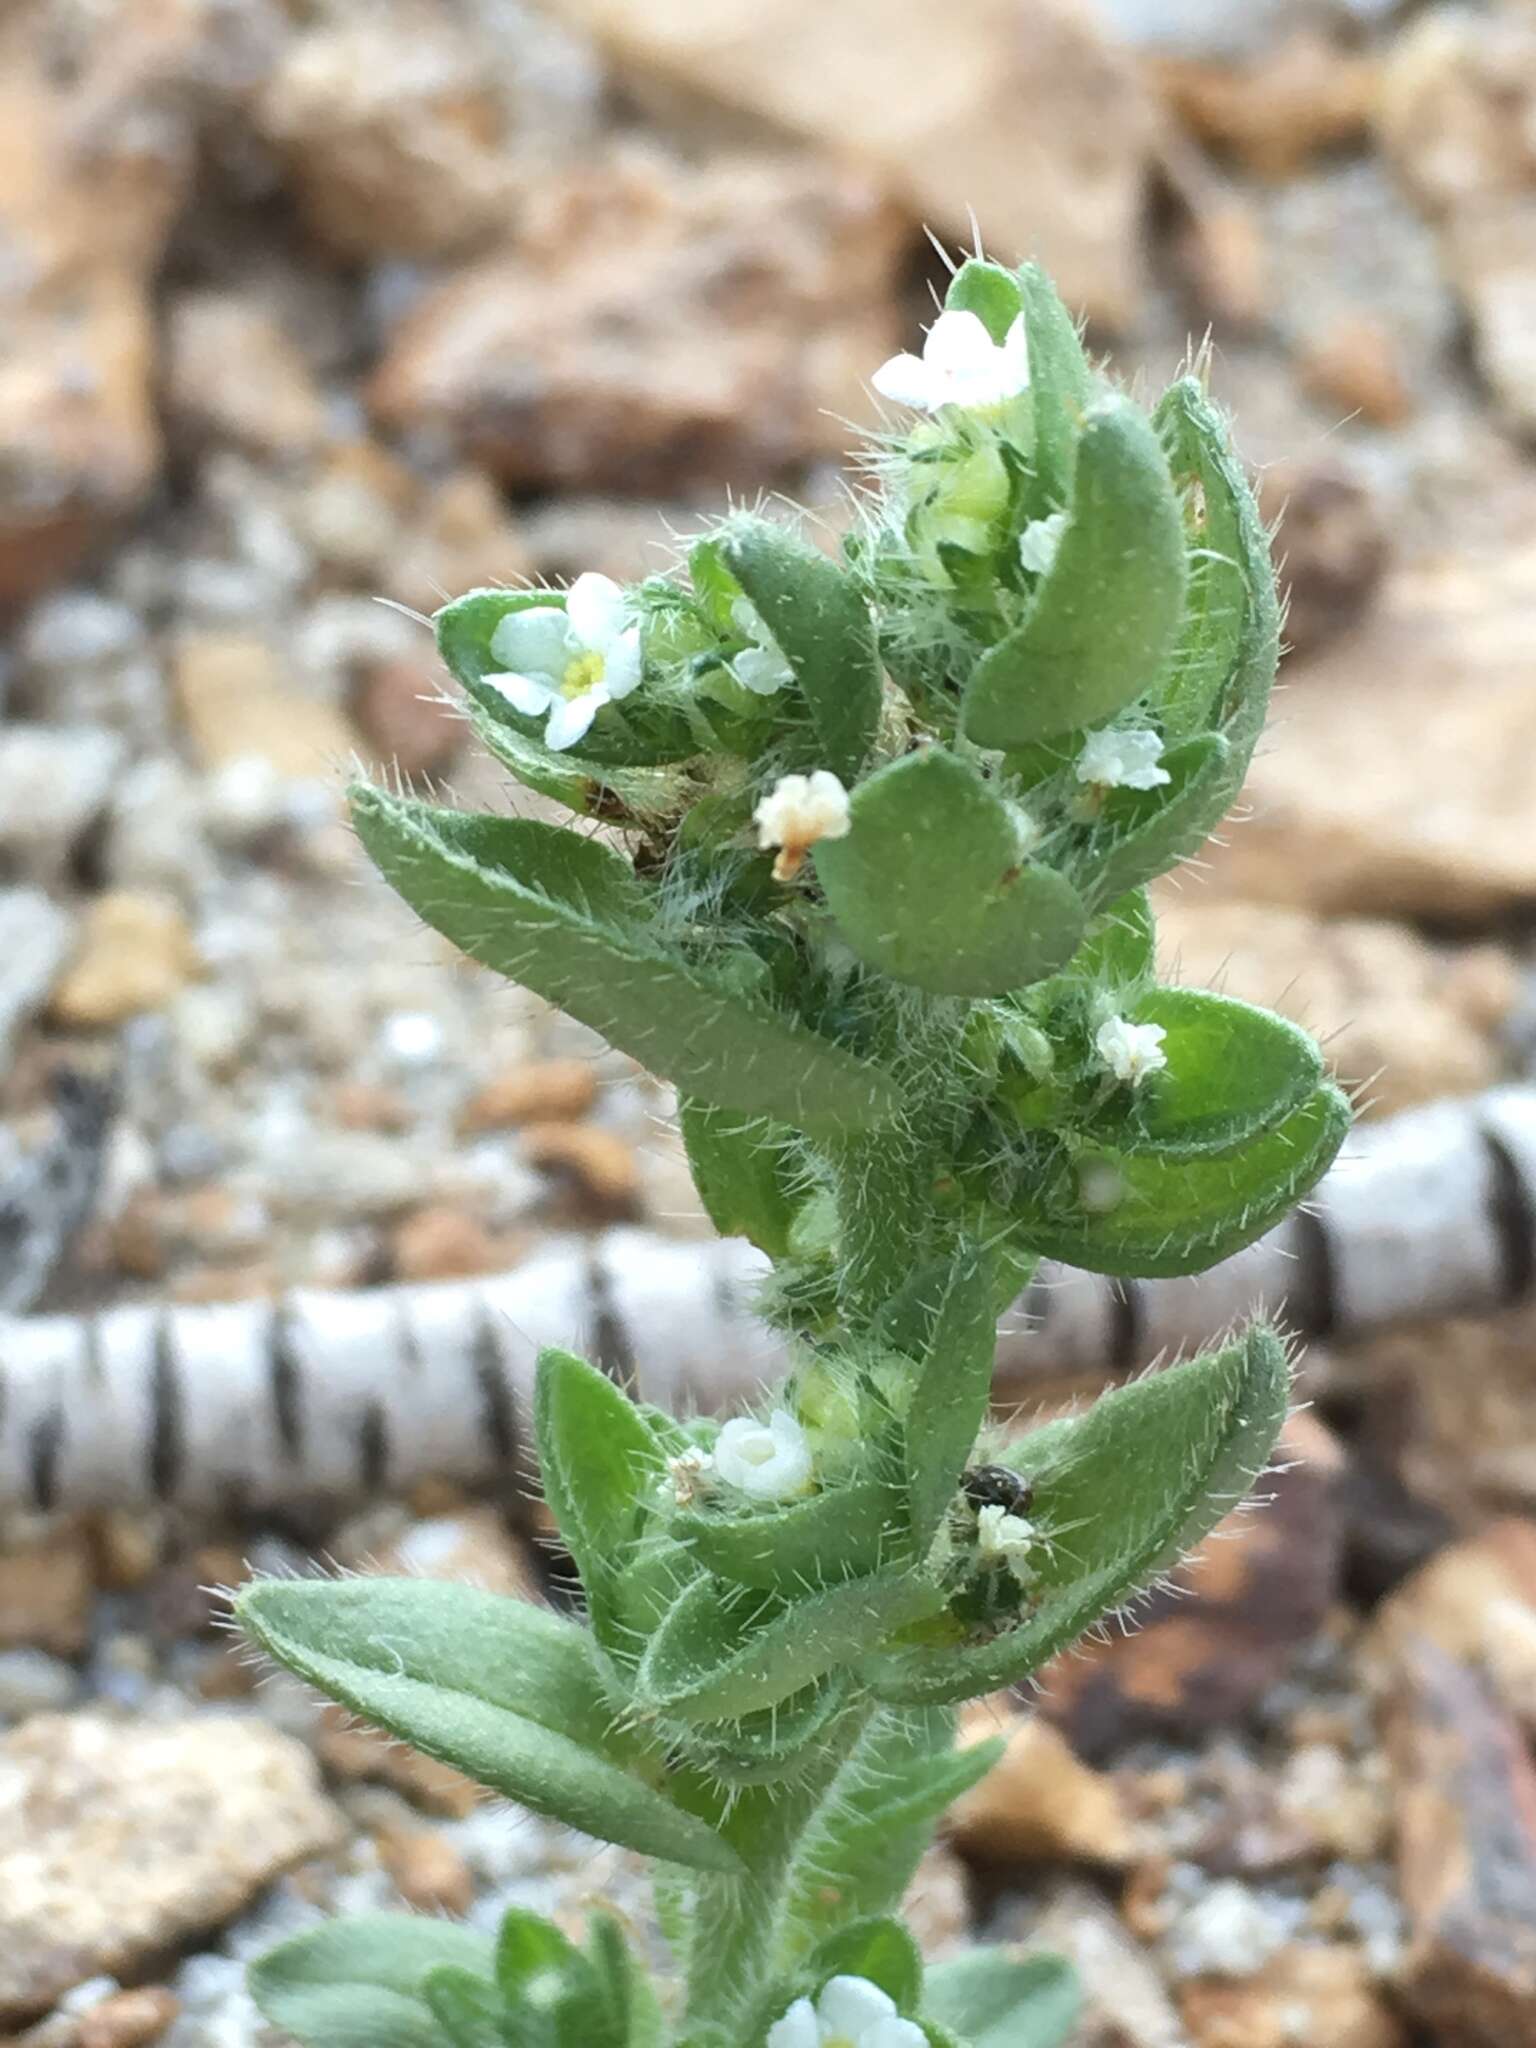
x: 996, y: 2000
x: 505, y: 1691
x: 950, y: 1394
x: 933, y: 885
x: 469, y: 2012
x: 600, y: 1464
x: 1106, y: 612
x: 560, y: 914
x: 1061, y: 385
x: 844, y: 1533
x: 740, y: 1166
x: 357, y: 1983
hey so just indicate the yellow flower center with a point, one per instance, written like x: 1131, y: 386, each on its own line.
x: 583, y: 673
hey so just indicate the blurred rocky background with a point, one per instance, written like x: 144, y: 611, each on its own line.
x: 308, y: 302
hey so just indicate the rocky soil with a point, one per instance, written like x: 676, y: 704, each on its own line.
x: 304, y: 306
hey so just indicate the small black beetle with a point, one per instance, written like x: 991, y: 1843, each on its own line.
x: 994, y: 1486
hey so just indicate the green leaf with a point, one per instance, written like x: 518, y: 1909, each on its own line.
x: 988, y: 291
x: 357, y: 1983
x: 1146, y: 832
x: 1061, y: 384
x: 1224, y: 662
x: 996, y: 2000
x: 776, y: 1743
x: 506, y: 1691
x: 582, y: 785
x: 723, y: 1651
x: 949, y: 1397
x: 629, y: 2000
x: 844, y: 1533
x: 878, y: 1949
x: 545, y: 1977
x: 468, y: 2010
x: 559, y: 914
x: 600, y: 1464
x: 1120, y: 947
x: 1149, y: 1216
x: 1105, y: 615
x: 822, y: 627
x: 1120, y: 1495
x: 932, y: 884
x: 742, y: 1169
x: 1233, y: 1072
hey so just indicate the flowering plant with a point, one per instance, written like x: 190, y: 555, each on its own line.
x: 870, y: 891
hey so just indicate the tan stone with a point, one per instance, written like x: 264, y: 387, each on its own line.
x: 1332, y: 546
x: 1405, y: 1020
x: 120, y: 1840
x: 1398, y: 781
x: 542, y: 1091
x: 1477, y: 1601
x: 351, y: 1753
x: 471, y: 1545
x: 1038, y: 1804
x: 135, y: 953
x: 429, y: 1873
x: 1297, y: 99
x: 406, y: 717
x: 1124, y: 2003
x: 236, y: 701
x: 460, y: 537
x: 600, y: 1164
x: 1316, y: 1992
x: 45, y: 1591
x: 441, y: 1242
x: 129, y: 2019
x: 1025, y: 116
x: 1355, y: 365
x: 654, y: 325
x: 232, y: 374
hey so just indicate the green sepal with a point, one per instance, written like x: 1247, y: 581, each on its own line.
x: 469, y: 2012
x: 1143, y: 833
x: 1120, y: 1495
x: 1062, y: 386
x: 741, y: 1169
x: 949, y: 1396
x: 600, y: 1464
x: 357, y: 1983
x: 629, y: 1998
x: 988, y: 291
x: 992, y: 1999
x: 506, y: 1692
x: 1105, y: 614
x: 776, y: 1743
x: 1233, y: 1072
x: 713, y: 584
x: 822, y: 627
x: 562, y: 915
x: 933, y: 885
x: 878, y: 1949
x: 1144, y: 1215
x: 846, y: 1532
x: 724, y: 1651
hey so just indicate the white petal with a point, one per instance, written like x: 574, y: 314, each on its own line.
x: 595, y: 607
x: 532, y: 695
x: 797, y: 2029
x: 893, y: 2033
x: 570, y: 717
x: 1016, y: 354
x: 762, y: 670
x: 907, y: 380
x: 534, y: 642
x: 959, y: 345
x: 850, y: 2004
x: 621, y: 663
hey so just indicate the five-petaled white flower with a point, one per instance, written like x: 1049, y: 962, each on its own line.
x: 765, y: 1460
x: 689, y: 1473
x: 1003, y: 1538
x: 960, y: 365
x: 761, y: 667
x: 850, y: 2013
x: 568, y: 661
x: 799, y: 810
x: 1122, y: 760
x: 1131, y: 1051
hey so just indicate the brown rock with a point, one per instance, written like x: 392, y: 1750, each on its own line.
x: 471, y: 1545
x: 1476, y: 1601
x: 1124, y: 2003
x: 46, y: 1584
x: 232, y: 374
x: 1322, y: 1993
x: 135, y: 952
x: 441, y: 1242
x: 1025, y: 118
x: 121, y: 1840
x: 654, y: 325
x: 351, y: 511
x: 430, y: 1874
x: 1398, y: 781
x: 1412, y: 1020
x: 1254, y: 1593
x: 460, y: 537
x: 406, y: 717
x: 1331, y: 548
x: 1301, y: 97
x: 1038, y: 1804
x: 536, y: 1091
x: 600, y: 1165
x: 129, y: 2019
x: 236, y: 701
x: 351, y: 1753
x: 1466, y: 1855
x: 1355, y: 365
x: 368, y: 1106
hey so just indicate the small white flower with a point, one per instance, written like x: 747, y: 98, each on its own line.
x: 1131, y: 1051
x: 850, y: 2013
x: 765, y: 1460
x: 799, y: 810
x: 568, y: 661
x: 1122, y: 760
x: 1002, y: 1538
x: 1040, y: 540
x: 689, y: 1473
x: 960, y: 365
x: 761, y: 667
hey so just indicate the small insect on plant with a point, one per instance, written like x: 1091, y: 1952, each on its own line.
x: 856, y: 857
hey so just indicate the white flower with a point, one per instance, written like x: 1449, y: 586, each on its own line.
x: 799, y: 810
x: 1131, y: 1051
x: 1040, y: 540
x: 761, y: 667
x: 568, y: 661
x: 850, y: 2013
x: 1122, y: 760
x: 689, y: 1473
x: 1002, y: 1538
x: 960, y: 365
x: 766, y: 1460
